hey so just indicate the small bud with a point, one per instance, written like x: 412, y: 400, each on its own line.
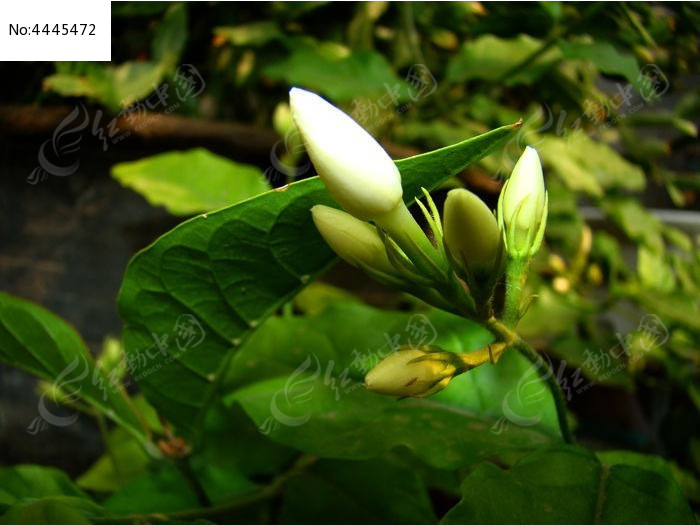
x: 355, y: 241
x: 358, y: 173
x: 414, y: 372
x: 522, y: 206
x: 472, y: 236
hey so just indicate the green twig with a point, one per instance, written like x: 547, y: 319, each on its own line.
x: 508, y: 336
x: 264, y: 493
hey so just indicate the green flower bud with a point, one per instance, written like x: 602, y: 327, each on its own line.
x: 522, y: 206
x: 358, y: 173
x: 472, y: 236
x: 355, y: 241
x: 414, y: 372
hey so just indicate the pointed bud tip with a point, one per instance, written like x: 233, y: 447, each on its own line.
x: 354, y: 167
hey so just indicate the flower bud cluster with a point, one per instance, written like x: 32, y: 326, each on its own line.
x: 456, y: 271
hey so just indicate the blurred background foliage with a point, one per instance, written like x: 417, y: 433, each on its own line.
x: 607, y: 92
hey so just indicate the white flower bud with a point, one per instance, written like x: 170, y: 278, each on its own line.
x: 522, y: 206
x: 355, y: 241
x: 358, y: 173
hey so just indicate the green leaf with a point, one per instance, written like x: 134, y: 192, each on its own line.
x: 51, y: 511
x: 336, y: 72
x: 170, y: 37
x: 654, y: 271
x: 41, y: 343
x: 489, y: 57
x: 113, y: 86
x: 236, y: 266
x: 34, y: 481
x: 192, y: 181
x: 605, y: 57
x: 299, y: 380
x: 586, y: 165
x: 163, y: 490
x: 124, y: 462
x: 42, y: 495
x: 566, y: 484
x: 339, y: 492
x: 638, y: 223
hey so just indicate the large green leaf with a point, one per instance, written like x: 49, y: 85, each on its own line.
x: 189, y: 182
x: 299, y: 379
x: 41, y: 343
x: 232, y: 268
x: 338, y: 492
x: 567, y: 484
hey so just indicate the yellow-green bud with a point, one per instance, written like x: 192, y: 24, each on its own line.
x: 355, y: 241
x: 282, y: 121
x: 414, y: 372
x: 522, y: 206
x: 472, y: 236
x: 357, y: 171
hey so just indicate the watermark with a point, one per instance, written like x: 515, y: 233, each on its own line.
x: 299, y: 387
x: 59, y: 155
x: 597, y: 116
x: 522, y: 406
x: 187, y: 333
x: 419, y: 83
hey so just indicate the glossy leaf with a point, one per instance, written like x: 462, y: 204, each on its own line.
x: 567, y: 484
x: 299, y: 380
x: 41, y: 343
x: 231, y: 269
x: 190, y: 182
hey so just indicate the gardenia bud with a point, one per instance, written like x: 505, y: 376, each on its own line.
x: 414, y: 372
x: 522, y: 206
x: 358, y: 173
x: 472, y: 236
x: 355, y: 241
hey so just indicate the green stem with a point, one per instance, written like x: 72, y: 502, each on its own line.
x: 266, y: 492
x: 509, y: 337
x: 516, y: 273
x: 183, y: 465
